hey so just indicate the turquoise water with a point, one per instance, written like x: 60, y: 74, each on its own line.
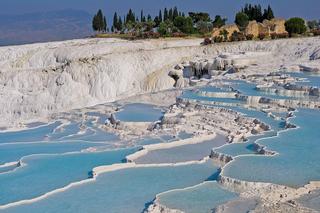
x: 139, y: 113
x: 250, y: 89
x: 188, y: 152
x: 50, y: 165
x: 126, y: 190
x: 101, y: 117
x: 44, y: 173
x: 298, y: 159
x: 95, y: 135
x: 69, y: 129
x: 194, y: 96
x: 202, y: 198
x: 214, y: 89
x: 312, y: 80
x: 248, y: 147
x: 29, y: 135
x: 14, y: 152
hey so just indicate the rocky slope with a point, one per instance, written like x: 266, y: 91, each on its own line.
x: 40, y: 79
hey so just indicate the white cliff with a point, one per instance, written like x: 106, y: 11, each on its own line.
x: 39, y: 79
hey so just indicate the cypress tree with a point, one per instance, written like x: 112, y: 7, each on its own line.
x: 100, y: 20
x: 130, y: 17
x: 95, y: 23
x: 115, y: 21
x: 268, y: 13
x: 141, y: 16
x: 175, y: 13
x: 165, y: 15
x: 171, y: 14
x: 119, y: 25
x: 149, y: 18
x: 157, y: 21
x: 105, y: 24
x: 160, y: 16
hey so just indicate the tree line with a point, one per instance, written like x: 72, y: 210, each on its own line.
x: 172, y: 21
x: 167, y: 22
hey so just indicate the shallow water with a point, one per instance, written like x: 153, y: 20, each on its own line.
x: 126, y: 190
x: 29, y: 135
x: 202, y: 198
x: 131, y: 190
x: 188, y: 152
x: 139, y: 113
x: 14, y: 152
x: 44, y: 173
x: 298, y: 151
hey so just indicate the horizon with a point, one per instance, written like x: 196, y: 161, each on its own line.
x: 43, y: 21
x: 307, y: 9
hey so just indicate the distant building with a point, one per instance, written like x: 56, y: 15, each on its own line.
x: 229, y: 28
x: 255, y: 28
x: 267, y: 27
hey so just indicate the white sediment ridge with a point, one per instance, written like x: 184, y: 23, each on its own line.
x: 152, y: 147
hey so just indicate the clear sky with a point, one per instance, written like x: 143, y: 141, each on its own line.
x: 309, y: 9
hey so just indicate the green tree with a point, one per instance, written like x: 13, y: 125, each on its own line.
x: 95, y: 24
x: 130, y: 17
x: 157, y: 21
x: 254, y: 12
x: 204, y: 27
x: 268, y: 13
x: 160, y: 16
x: 149, y: 25
x: 163, y: 29
x: 175, y: 13
x: 119, y: 24
x: 242, y: 20
x: 115, y: 22
x: 165, y: 14
x: 99, y: 22
x: 170, y: 14
x: 219, y: 22
x: 199, y: 17
x: 184, y: 24
x: 141, y: 16
x: 295, y: 25
x: 104, y: 24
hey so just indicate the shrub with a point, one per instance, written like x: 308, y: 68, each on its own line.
x: 204, y: 27
x: 163, y: 29
x: 282, y: 35
x: 179, y: 34
x: 151, y: 34
x: 274, y: 35
x: 225, y: 34
x: 262, y: 36
x: 316, y: 32
x: 218, y: 39
x: 238, y: 36
x: 249, y: 37
x: 184, y: 24
x: 242, y: 20
x: 207, y: 41
x: 295, y: 26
